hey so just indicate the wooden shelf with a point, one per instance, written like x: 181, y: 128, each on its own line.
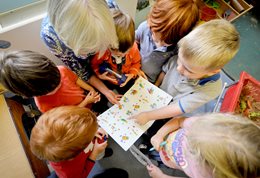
x: 224, y: 7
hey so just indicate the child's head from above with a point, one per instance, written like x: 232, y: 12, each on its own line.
x: 170, y: 20
x: 63, y: 132
x: 125, y: 30
x: 207, y: 48
x: 224, y: 145
x: 28, y: 73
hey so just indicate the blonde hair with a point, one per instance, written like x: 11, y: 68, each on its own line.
x: 210, y: 45
x: 63, y: 132
x: 173, y: 19
x: 125, y: 30
x: 86, y: 26
x: 228, y: 145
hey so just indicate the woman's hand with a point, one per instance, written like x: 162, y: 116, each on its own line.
x: 129, y: 77
x: 112, y: 97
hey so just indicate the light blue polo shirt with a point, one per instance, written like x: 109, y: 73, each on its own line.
x: 190, y: 94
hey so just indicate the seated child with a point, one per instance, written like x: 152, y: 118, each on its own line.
x: 29, y: 73
x: 66, y: 136
x: 167, y: 23
x: 193, y: 77
x: 125, y: 60
x: 212, y: 145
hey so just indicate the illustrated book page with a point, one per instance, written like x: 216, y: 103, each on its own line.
x: 142, y: 96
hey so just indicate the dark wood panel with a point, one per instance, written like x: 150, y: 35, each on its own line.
x: 38, y: 166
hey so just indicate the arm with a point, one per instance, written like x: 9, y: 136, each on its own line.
x: 84, y: 85
x: 89, y: 164
x: 159, y: 79
x: 170, y: 126
x: 98, y: 84
x: 155, y: 172
x: 169, y: 111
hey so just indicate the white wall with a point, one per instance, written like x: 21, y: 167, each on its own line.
x: 27, y: 37
x: 26, y: 34
x: 129, y: 6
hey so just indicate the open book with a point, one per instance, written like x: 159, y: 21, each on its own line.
x: 142, y: 96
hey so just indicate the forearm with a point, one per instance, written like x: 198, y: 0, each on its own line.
x: 169, y: 111
x: 84, y: 85
x: 170, y: 126
x: 98, y: 84
x: 159, y: 79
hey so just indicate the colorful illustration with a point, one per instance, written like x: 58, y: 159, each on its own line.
x: 142, y: 96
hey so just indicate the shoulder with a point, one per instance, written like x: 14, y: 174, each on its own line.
x: 143, y: 25
x: 142, y: 28
x: 171, y: 63
x: 187, y: 123
x: 213, y: 88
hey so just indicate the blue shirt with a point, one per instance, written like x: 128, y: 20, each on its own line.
x: 153, y: 58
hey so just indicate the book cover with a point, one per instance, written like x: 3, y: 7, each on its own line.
x: 142, y: 96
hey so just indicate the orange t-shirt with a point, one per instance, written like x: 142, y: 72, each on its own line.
x: 69, y: 92
x: 132, y: 63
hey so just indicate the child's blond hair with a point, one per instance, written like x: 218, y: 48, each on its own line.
x: 86, y: 26
x: 125, y: 30
x: 63, y: 132
x: 210, y: 45
x: 228, y: 145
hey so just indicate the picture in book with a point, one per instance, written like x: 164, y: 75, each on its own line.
x: 142, y: 96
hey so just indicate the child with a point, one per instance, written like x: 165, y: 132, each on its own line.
x: 193, y: 78
x: 28, y: 73
x: 126, y: 59
x: 214, y: 145
x: 65, y: 136
x: 167, y: 23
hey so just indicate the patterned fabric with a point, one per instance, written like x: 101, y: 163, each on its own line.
x: 78, y: 64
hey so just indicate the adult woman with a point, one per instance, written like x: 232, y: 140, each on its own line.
x: 74, y: 31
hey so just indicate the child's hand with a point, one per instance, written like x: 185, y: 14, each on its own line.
x: 112, y: 97
x: 98, y: 148
x: 140, y: 118
x: 154, y: 171
x: 156, y: 140
x: 92, y: 97
x: 106, y: 76
x: 142, y: 74
x: 101, y: 133
x: 129, y: 77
